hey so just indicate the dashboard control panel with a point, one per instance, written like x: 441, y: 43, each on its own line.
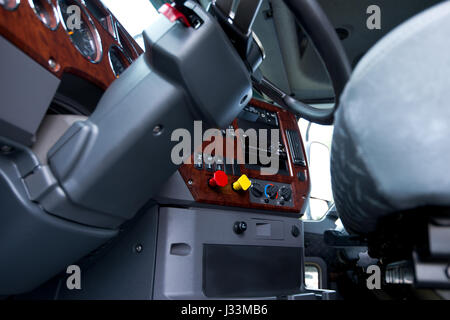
x: 273, y: 193
x: 229, y: 179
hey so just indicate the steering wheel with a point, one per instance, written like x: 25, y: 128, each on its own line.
x: 323, y: 35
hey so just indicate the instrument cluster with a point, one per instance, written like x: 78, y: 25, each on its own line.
x: 94, y: 34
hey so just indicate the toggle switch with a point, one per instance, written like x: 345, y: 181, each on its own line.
x: 243, y: 183
x: 220, y: 179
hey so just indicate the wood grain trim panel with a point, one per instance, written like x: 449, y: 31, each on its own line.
x: 24, y: 29
x: 197, y: 180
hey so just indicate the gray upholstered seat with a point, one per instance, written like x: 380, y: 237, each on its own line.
x: 391, y: 147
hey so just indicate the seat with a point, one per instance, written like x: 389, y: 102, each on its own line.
x: 391, y: 149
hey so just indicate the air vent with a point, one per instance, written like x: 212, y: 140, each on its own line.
x: 295, y: 146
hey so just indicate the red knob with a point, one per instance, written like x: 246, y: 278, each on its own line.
x: 220, y: 179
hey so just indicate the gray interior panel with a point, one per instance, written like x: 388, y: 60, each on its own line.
x: 183, y: 232
x: 34, y: 246
x: 125, y: 270
x: 21, y: 114
x: 50, y: 130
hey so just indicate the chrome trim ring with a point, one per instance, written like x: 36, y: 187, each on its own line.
x: 54, y: 11
x: 109, y: 15
x: 120, y: 28
x: 113, y: 46
x: 10, y: 5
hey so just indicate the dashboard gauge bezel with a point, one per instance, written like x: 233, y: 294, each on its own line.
x: 16, y: 5
x: 54, y: 13
x: 111, y: 29
x: 127, y: 41
x: 92, y: 28
x: 122, y: 52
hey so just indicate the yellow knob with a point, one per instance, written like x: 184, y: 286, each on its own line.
x: 243, y: 183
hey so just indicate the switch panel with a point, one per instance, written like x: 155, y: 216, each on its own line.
x: 224, y: 176
x: 271, y: 193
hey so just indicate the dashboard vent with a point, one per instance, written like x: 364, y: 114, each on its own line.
x: 295, y: 146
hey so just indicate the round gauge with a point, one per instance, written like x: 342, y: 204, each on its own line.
x: 46, y: 12
x: 9, y: 4
x: 119, y: 62
x: 81, y: 29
